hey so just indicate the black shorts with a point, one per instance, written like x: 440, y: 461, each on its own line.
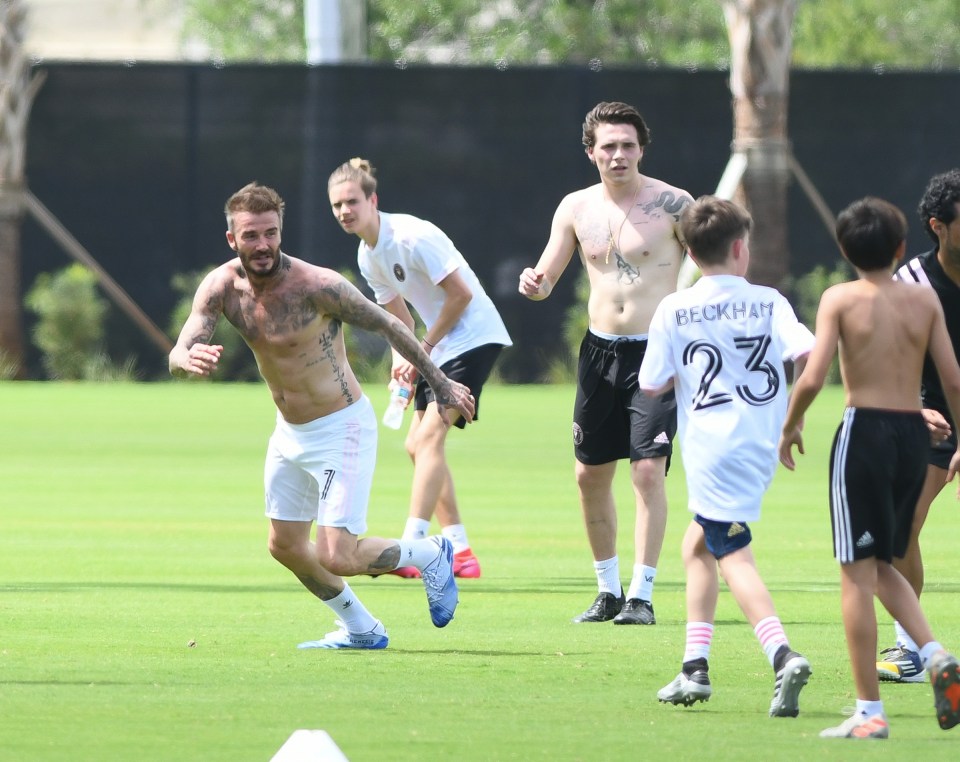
x: 940, y: 453
x: 612, y: 418
x: 878, y: 464
x: 471, y: 369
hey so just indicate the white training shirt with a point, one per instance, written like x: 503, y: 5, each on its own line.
x: 411, y: 257
x: 724, y: 341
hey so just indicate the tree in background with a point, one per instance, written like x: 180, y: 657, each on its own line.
x: 760, y: 45
x: 757, y: 40
x: 549, y: 32
x: 246, y: 30
x: 18, y: 88
x: 859, y: 34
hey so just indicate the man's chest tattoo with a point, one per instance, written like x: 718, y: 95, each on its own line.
x: 626, y: 273
x: 273, y: 320
x: 668, y: 201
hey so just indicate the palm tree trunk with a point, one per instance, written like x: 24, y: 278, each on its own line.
x: 18, y: 88
x: 760, y: 34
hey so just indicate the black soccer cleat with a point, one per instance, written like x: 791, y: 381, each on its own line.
x: 604, y: 608
x: 636, y: 611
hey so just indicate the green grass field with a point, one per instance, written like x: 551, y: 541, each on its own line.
x: 131, y: 526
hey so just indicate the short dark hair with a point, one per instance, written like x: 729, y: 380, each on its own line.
x: 254, y: 198
x: 870, y: 232
x: 613, y: 112
x: 710, y: 225
x: 940, y: 201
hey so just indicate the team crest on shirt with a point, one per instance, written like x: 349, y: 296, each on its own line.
x: 399, y: 273
x: 577, y: 434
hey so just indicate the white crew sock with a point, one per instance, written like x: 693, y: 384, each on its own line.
x: 641, y: 585
x: 416, y: 529
x: 418, y: 553
x: 870, y: 708
x: 351, y: 612
x: 928, y: 652
x: 457, y: 536
x: 904, y: 640
x: 608, y: 576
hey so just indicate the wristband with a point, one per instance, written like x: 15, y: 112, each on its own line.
x: 424, y: 340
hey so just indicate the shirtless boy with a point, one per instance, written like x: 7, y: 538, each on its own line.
x: 878, y: 461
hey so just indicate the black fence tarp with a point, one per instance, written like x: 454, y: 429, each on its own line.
x: 136, y: 161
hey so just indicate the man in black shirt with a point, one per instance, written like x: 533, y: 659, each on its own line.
x: 938, y: 269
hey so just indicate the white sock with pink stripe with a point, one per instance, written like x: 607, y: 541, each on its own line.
x: 771, y: 636
x: 699, y: 636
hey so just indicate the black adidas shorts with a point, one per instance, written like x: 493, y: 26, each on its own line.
x: 878, y: 464
x: 612, y: 418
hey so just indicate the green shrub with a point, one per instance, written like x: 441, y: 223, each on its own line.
x: 69, y: 331
x: 807, y: 290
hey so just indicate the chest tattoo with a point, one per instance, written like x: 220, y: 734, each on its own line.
x: 626, y: 273
x: 669, y: 202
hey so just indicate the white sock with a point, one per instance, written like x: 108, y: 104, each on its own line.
x: 351, y: 612
x: 416, y: 529
x: 869, y: 708
x: 771, y: 636
x: 928, y: 652
x: 417, y: 553
x: 699, y: 636
x: 457, y: 536
x: 641, y: 585
x: 608, y: 576
x: 904, y: 640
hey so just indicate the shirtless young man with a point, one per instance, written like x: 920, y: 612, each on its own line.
x: 321, y: 457
x: 879, y: 457
x: 631, y: 267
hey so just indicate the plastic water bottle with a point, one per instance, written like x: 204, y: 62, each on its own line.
x: 399, y: 399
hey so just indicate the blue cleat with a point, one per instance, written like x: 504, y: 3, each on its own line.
x: 342, y: 639
x: 439, y: 582
x: 901, y: 665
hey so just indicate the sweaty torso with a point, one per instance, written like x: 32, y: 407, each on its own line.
x: 632, y: 261
x: 884, y: 334
x: 299, y: 349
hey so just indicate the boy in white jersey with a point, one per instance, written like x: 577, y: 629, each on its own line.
x: 721, y: 344
x: 879, y: 455
x: 405, y: 259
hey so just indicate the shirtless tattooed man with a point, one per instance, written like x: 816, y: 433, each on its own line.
x: 321, y: 456
x: 626, y: 229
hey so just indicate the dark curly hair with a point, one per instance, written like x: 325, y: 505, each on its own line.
x: 940, y: 201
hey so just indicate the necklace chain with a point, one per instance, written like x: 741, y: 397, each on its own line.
x: 610, y: 245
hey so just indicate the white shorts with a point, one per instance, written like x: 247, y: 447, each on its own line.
x: 322, y: 471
